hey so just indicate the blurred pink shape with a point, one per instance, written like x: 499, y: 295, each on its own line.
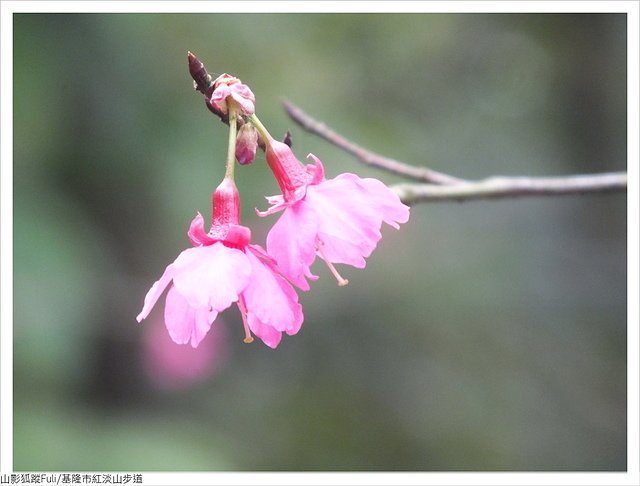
x: 172, y: 366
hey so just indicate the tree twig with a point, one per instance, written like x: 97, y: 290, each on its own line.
x: 370, y: 158
x: 512, y: 187
x: 438, y: 186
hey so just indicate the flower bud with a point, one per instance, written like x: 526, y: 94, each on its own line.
x: 227, y: 86
x: 246, y: 144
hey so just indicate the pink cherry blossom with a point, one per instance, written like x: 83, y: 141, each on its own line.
x: 338, y: 219
x: 226, y: 86
x: 223, y: 269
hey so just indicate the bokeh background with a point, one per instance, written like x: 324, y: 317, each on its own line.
x: 481, y: 336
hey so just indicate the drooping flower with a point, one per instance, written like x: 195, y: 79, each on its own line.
x: 224, y: 268
x: 226, y: 86
x: 337, y: 219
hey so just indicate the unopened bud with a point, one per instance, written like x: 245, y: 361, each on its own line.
x: 246, y: 144
x: 201, y: 78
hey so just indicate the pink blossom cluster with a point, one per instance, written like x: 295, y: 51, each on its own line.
x: 337, y: 220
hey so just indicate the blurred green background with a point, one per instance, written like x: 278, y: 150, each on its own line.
x: 481, y: 336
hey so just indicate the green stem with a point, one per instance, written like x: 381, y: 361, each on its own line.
x: 233, y: 133
x: 266, y: 136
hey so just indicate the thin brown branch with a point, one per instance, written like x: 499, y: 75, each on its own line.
x: 512, y: 187
x: 443, y: 187
x: 203, y: 82
x: 370, y: 158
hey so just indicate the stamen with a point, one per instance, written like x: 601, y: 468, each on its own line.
x: 248, y: 338
x: 341, y: 281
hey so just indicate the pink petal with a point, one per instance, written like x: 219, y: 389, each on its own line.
x: 213, y: 275
x: 387, y: 202
x: 292, y: 243
x: 156, y: 291
x: 196, y: 232
x: 241, y: 90
x: 219, y: 97
x: 277, y: 204
x: 281, y: 309
x: 348, y: 223
x: 248, y: 106
x: 338, y: 250
x: 241, y: 93
x: 266, y: 333
x: 277, y: 199
x: 315, y: 170
x: 185, y: 323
